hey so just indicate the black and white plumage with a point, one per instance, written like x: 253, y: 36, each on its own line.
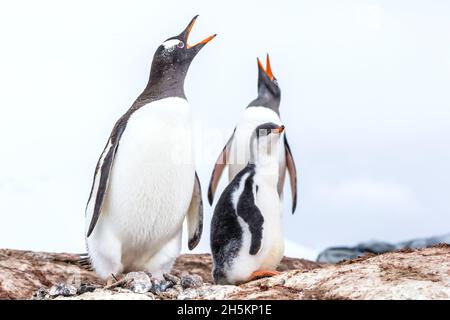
x: 145, y: 182
x: 236, y: 153
x: 246, y: 228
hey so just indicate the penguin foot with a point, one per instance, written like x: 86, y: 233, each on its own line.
x: 263, y: 274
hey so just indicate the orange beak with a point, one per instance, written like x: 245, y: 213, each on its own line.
x: 279, y: 130
x: 188, y: 31
x: 268, y: 70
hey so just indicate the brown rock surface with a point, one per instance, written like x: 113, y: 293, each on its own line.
x: 23, y: 272
x: 407, y: 274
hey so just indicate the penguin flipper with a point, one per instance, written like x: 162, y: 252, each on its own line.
x: 102, y: 173
x: 195, y: 215
x: 221, y: 162
x: 290, y: 166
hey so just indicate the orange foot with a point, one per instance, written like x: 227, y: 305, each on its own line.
x: 262, y: 274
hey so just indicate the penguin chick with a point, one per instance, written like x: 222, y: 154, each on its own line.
x: 246, y: 228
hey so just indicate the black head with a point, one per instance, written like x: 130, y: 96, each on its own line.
x: 267, y: 129
x: 264, y: 139
x: 171, y: 62
x: 269, y: 93
x: 175, y: 52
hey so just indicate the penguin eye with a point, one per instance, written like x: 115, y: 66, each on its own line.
x: 180, y: 44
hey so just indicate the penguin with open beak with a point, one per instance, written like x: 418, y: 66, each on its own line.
x: 145, y: 183
x: 236, y: 153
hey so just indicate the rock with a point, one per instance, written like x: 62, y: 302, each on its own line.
x: 191, y: 281
x: 337, y: 254
x: 160, y: 286
x: 137, y: 276
x: 140, y: 287
x: 424, y: 242
x: 62, y: 289
x: 166, y: 285
x: 172, y: 278
x: 156, y: 287
x: 86, y: 287
x: 405, y: 274
x: 101, y: 294
x: 208, y: 292
x: 40, y: 294
x: 24, y: 272
x: 138, y: 282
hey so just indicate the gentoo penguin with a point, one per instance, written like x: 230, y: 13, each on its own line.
x: 145, y: 182
x: 246, y: 228
x: 236, y: 153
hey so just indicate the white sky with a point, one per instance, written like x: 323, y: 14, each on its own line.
x: 365, y: 99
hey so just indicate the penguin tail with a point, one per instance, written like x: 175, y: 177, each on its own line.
x: 84, y: 261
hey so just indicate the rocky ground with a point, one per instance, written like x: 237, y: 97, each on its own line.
x: 404, y: 274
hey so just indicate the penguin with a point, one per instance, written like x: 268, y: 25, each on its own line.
x: 145, y: 182
x: 235, y: 154
x: 246, y: 228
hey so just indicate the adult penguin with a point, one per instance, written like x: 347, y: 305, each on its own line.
x: 236, y: 153
x: 145, y: 182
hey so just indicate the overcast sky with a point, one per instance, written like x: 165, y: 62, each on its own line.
x: 365, y: 100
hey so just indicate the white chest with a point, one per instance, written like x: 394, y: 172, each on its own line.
x: 153, y: 173
x: 268, y: 201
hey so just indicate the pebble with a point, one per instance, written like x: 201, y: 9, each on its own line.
x: 156, y: 287
x: 86, y: 287
x: 170, y: 277
x: 138, y: 282
x: 41, y: 293
x: 160, y: 286
x: 166, y: 284
x: 140, y: 287
x: 191, y: 281
x: 62, y: 289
